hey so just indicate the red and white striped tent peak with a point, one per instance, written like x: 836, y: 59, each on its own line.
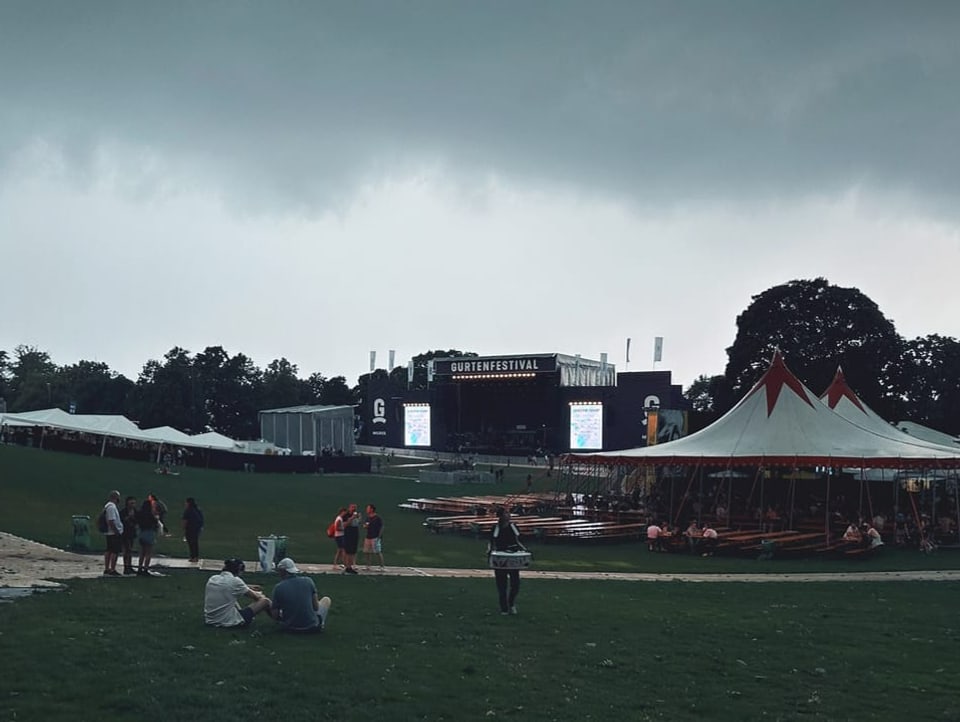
x: 780, y: 422
x: 842, y: 399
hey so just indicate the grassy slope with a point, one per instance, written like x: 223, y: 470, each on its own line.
x: 40, y: 491
x: 436, y: 649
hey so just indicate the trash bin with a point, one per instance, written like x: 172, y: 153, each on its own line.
x: 279, y: 549
x: 81, y: 533
x: 767, y: 547
x: 270, y: 550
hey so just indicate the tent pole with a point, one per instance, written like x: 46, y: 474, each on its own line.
x: 860, y: 499
x: 103, y: 446
x: 686, y: 495
x: 762, y: 484
x: 700, y: 501
x: 826, y: 520
x: 793, y: 500
x: 956, y: 498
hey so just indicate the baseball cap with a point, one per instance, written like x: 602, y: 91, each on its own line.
x: 286, y: 564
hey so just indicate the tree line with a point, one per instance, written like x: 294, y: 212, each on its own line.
x: 210, y: 390
x: 818, y: 327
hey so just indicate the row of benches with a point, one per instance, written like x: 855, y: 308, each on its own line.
x: 539, y: 527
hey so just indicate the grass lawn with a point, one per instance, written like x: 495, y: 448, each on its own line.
x: 402, y: 648
x: 41, y: 491
x: 437, y: 649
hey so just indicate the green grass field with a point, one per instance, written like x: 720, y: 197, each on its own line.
x: 407, y: 648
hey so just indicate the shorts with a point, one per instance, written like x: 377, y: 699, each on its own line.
x: 372, y: 546
x: 114, y: 543
x: 148, y: 537
x: 338, y: 540
x: 248, y: 615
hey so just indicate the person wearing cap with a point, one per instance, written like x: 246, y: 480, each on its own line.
x: 221, y: 607
x: 113, y: 535
x: 295, y: 602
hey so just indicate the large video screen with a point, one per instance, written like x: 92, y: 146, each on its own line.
x: 416, y: 425
x: 586, y: 426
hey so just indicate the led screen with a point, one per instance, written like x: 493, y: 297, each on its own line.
x: 586, y: 426
x: 416, y: 425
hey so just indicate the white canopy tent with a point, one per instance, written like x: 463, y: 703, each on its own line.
x: 116, y: 426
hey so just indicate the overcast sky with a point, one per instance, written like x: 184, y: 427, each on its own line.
x: 315, y: 180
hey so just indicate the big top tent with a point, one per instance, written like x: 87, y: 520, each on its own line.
x: 780, y: 422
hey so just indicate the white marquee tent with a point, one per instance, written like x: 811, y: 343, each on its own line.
x: 780, y: 422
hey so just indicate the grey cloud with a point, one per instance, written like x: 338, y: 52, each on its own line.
x: 296, y: 103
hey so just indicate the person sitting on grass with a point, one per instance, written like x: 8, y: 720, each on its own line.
x: 295, y: 603
x: 220, y: 598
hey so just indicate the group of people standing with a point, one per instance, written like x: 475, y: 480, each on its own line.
x: 345, y: 531
x: 142, y: 524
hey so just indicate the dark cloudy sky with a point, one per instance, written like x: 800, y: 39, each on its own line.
x: 315, y: 180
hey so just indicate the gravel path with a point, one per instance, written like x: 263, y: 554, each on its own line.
x: 28, y: 564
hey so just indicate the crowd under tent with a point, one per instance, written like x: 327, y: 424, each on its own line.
x: 778, y: 429
x: 113, y: 426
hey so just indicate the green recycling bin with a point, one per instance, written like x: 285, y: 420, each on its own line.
x: 279, y: 549
x: 767, y: 548
x: 270, y: 550
x: 81, y: 533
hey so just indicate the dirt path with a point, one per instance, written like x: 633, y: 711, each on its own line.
x: 25, y: 564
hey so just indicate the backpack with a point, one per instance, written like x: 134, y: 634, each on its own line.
x: 332, y: 529
x: 102, y: 525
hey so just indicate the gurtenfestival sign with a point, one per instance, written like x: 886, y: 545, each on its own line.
x: 516, y: 364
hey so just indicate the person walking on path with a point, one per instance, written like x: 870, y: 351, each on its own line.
x: 373, y: 543
x: 505, y: 537
x: 129, y: 536
x: 295, y: 603
x: 113, y: 534
x: 192, y: 521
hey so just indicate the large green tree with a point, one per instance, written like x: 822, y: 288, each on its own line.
x: 818, y: 327
x: 166, y: 394
x: 929, y: 382
x: 90, y: 387
x: 32, y: 376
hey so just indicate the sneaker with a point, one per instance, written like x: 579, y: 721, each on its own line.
x: 143, y: 573
x: 128, y: 571
x: 352, y: 570
x: 513, y: 609
x: 504, y: 614
x: 111, y: 573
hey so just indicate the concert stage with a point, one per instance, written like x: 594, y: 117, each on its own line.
x: 522, y: 405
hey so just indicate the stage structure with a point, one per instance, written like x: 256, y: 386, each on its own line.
x: 523, y: 405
